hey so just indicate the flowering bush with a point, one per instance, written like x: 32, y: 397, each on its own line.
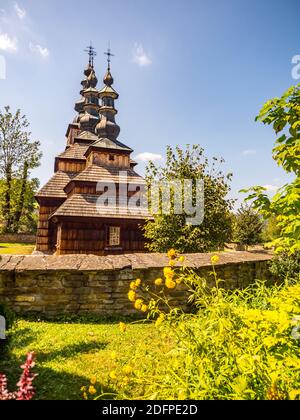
x: 238, y: 345
x: 26, y: 390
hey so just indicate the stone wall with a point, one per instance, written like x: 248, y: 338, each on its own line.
x: 17, y: 238
x: 81, y: 284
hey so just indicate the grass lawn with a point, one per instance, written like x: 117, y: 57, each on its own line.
x: 69, y: 355
x: 16, y: 249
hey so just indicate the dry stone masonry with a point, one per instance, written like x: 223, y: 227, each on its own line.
x: 81, y: 284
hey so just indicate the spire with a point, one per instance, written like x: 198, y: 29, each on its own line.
x: 108, y: 79
x: 109, y: 55
x: 92, y: 54
x: 88, y: 106
x: 107, y: 126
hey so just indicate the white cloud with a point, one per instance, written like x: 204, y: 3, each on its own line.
x: 271, y: 188
x: 145, y: 157
x: 19, y: 11
x: 140, y: 57
x: 8, y: 44
x: 38, y: 49
x: 249, y: 152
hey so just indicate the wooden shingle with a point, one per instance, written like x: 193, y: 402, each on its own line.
x: 79, y: 205
x: 55, y: 187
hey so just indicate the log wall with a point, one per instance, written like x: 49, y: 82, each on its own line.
x: 90, y: 237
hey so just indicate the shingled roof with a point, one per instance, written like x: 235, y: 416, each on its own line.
x: 104, y: 143
x: 55, y: 187
x: 81, y: 205
x: 96, y: 173
x: 86, y: 135
x: 76, y: 151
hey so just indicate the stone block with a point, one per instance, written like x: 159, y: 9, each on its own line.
x: 26, y: 281
x: 29, y: 299
x: 74, y: 283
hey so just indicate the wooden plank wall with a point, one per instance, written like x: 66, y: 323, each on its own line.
x: 103, y: 159
x: 45, y: 240
x: 70, y: 166
x: 91, y: 238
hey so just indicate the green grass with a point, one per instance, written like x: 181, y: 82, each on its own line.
x: 68, y: 355
x: 16, y: 249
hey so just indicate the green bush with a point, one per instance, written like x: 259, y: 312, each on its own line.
x: 248, y: 226
x: 285, y: 266
x: 240, y: 344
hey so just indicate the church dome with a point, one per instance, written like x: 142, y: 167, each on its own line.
x: 107, y: 128
x: 108, y: 79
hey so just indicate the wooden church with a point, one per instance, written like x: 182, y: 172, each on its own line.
x: 94, y: 203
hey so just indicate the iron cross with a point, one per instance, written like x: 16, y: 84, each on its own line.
x: 92, y: 54
x: 109, y: 55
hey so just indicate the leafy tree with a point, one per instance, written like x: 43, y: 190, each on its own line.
x: 173, y: 230
x: 248, y: 226
x: 18, y: 156
x: 286, y: 266
x: 27, y: 223
x: 271, y: 230
x: 284, y: 116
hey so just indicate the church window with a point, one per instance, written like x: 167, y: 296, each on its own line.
x: 114, y: 236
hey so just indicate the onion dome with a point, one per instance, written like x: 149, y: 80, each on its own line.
x: 108, y: 79
x: 87, y: 106
x: 107, y: 126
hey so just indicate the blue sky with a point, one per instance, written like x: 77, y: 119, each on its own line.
x: 192, y: 71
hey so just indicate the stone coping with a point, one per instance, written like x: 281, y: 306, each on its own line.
x: 82, y: 262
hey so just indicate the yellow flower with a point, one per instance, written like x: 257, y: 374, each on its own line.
x: 113, y: 375
x: 93, y: 380
x: 294, y: 394
x: 92, y: 390
x: 168, y: 272
x: 138, y: 282
x: 158, y: 282
x: 215, y: 259
x: 132, y: 296
x: 182, y: 259
x: 181, y: 394
x: 133, y: 285
x: 172, y: 263
x: 85, y: 396
x: 172, y: 254
x: 127, y: 369
x: 113, y: 353
x: 138, y: 304
x: 126, y: 380
x: 83, y: 389
x: 170, y: 284
x: 270, y: 341
x: 144, y: 308
x: 122, y: 327
x: 160, y: 320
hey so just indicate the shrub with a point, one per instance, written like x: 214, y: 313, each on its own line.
x: 248, y: 226
x: 25, y: 389
x: 286, y: 266
x: 238, y: 345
